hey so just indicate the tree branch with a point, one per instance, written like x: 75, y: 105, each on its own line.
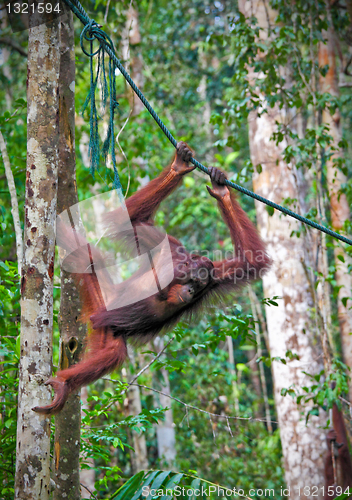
x: 148, y: 364
x: 8, y: 41
x: 14, y: 202
x: 186, y: 405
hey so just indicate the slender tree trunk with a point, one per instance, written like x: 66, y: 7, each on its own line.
x: 133, y: 405
x: 67, y: 422
x: 14, y: 202
x: 139, y: 457
x: 165, y: 431
x: 33, y: 430
x: 340, y: 210
x: 289, y: 324
x: 131, y: 37
x: 87, y: 476
x: 204, y: 116
x: 253, y: 299
x: 235, y: 391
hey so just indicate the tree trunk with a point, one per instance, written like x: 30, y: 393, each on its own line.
x: 259, y: 380
x: 165, y: 431
x: 340, y: 210
x: 289, y: 324
x: 67, y: 422
x: 235, y: 392
x: 14, y: 203
x: 87, y: 476
x: 33, y: 430
x: 131, y: 37
x: 139, y: 457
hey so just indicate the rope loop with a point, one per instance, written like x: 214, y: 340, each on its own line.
x: 114, y: 103
x: 95, y: 34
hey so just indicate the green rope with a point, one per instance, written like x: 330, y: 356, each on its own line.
x: 106, y: 46
x: 94, y: 140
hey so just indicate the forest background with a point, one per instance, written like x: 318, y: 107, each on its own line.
x: 242, y: 398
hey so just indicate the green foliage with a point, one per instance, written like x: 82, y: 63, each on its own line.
x: 169, y: 485
x: 196, y: 57
x: 200, y: 376
x: 230, y: 452
x: 12, y: 124
x: 9, y: 358
x: 325, y: 390
x: 104, y: 430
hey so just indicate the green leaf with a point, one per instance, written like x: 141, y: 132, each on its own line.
x: 194, y: 486
x: 148, y: 480
x: 173, y: 481
x: 21, y: 102
x: 116, y: 442
x: 189, y: 182
x: 158, y: 481
x: 231, y: 157
x: 270, y: 210
x: 241, y: 367
x: 129, y: 487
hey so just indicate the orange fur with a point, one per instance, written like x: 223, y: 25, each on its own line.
x: 195, y: 278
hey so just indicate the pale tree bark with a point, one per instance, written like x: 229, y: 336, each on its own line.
x: 68, y: 421
x: 340, y: 210
x: 32, y: 479
x: 202, y: 90
x: 14, y: 203
x: 87, y: 476
x: 253, y: 300
x: 165, y: 430
x: 233, y: 375
x: 289, y: 324
x: 131, y: 37
x: 139, y: 458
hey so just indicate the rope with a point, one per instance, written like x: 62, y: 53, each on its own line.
x: 89, y: 34
x: 107, y: 46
